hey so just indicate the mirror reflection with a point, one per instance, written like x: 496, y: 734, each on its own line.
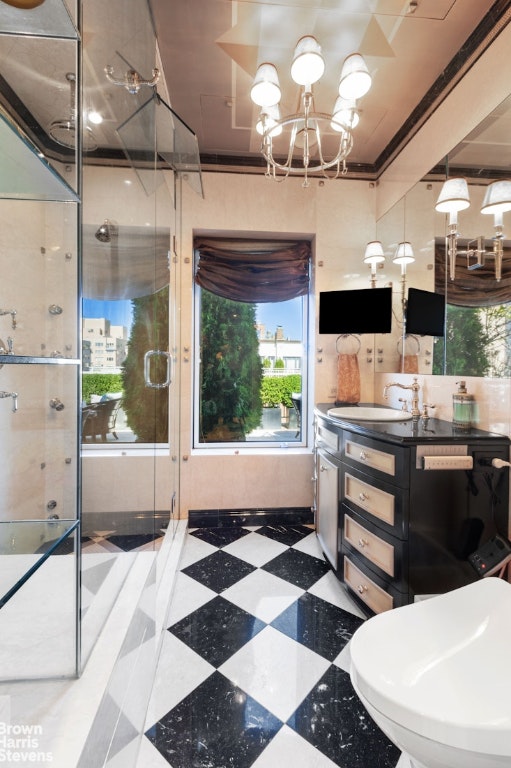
x: 460, y: 253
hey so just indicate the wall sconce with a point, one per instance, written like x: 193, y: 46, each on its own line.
x: 454, y: 197
x: 374, y: 255
x: 402, y: 257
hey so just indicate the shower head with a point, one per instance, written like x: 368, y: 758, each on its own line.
x: 105, y: 232
x: 64, y: 131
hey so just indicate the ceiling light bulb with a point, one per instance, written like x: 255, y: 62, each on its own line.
x: 266, y: 89
x: 497, y: 198
x: 355, y: 78
x: 374, y: 253
x: 453, y: 196
x: 345, y: 115
x: 308, y: 63
x: 404, y: 254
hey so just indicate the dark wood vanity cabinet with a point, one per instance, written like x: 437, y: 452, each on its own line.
x: 403, y: 531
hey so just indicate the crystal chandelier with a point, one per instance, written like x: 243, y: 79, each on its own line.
x: 307, y: 127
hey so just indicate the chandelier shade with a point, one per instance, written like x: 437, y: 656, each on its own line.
x: 453, y: 196
x: 265, y: 90
x: 374, y: 253
x: 308, y: 63
x: 269, y: 121
x: 497, y: 198
x: 355, y: 78
x: 345, y: 116
x: 404, y: 254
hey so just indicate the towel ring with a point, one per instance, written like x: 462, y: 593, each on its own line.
x: 344, y: 337
x: 409, y: 336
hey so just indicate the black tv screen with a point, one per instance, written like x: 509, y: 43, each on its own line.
x: 366, y: 310
x: 425, y: 313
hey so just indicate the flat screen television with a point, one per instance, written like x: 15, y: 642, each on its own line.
x: 425, y: 313
x: 366, y: 310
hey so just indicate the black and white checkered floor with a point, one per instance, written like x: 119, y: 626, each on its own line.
x: 254, y: 667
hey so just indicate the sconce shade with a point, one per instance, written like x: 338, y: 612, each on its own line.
x: 344, y: 114
x: 355, y: 78
x: 265, y: 91
x: 497, y: 198
x: 453, y: 196
x: 308, y: 63
x: 374, y: 253
x: 404, y: 254
x: 271, y: 116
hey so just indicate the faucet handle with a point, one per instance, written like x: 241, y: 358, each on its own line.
x: 425, y: 406
x: 404, y: 407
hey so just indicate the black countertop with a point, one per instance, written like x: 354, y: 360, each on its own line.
x: 432, y: 430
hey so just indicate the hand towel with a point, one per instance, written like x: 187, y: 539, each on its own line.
x: 348, y: 379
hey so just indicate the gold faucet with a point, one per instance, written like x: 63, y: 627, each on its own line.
x: 415, y: 387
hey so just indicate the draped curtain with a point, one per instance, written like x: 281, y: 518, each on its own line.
x: 472, y: 288
x: 253, y: 271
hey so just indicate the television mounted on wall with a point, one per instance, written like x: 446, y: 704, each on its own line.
x: 425, y: 313
x: 358, y: 311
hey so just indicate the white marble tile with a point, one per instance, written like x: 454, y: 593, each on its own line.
x: 329, y: 588
x: 288, y: 748
x: 343, y: 660
x: 149, y: 757
x: 188, y: 595
x: 263, y: 595
x: 276, y: 671
x: 310, y: 545
x: 255, y: 551
x: 195, y: 549
x: 180, y: 670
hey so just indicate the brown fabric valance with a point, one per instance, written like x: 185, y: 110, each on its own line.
x: 253, y: 271
x: 472, y: 288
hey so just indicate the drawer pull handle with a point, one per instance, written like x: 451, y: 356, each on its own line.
x: 362, y: 588
x: 363, y: 542
x: 363, y: 496
x: 363, y: 456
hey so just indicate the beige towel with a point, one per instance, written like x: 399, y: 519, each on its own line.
x: 348, y: 379
x: 409, y: 364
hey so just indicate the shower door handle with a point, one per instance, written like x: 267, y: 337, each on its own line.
x: 147, y: 368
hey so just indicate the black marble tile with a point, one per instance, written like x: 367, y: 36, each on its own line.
x: 219, y: 570
x: 219, y: 537
x: 298, y: 568
x: 285, y: 534
x: 130, y: 541
x: 216, y: 726
x: 217, y: 630
x: 333, y: 719
x: 317, y: 624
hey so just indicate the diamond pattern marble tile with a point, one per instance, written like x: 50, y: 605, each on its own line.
x: 254, y: 667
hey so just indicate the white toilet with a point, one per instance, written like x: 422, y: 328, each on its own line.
x: 436, y: 676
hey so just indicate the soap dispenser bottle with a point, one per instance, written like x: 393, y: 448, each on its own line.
x: 462, y: 407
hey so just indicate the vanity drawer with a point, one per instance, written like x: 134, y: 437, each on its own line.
x: 372, y: 547
x: 376, y: 598
x: 384, y: 460
x: 383, y: 504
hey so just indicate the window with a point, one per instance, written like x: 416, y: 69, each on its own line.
x: 251, y: 320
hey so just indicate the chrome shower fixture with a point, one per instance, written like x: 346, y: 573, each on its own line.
x: 64, y: 131
x: 12, y: 313
x: 106, y: 231
x: 14, y: 396
x: 54, y: 309
x: 132, y: 80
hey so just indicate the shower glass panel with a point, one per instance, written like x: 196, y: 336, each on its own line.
x: 38, y: 582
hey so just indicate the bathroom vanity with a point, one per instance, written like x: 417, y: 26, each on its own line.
x: 401, y: 505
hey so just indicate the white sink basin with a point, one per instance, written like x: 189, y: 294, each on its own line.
x: 366, y: 413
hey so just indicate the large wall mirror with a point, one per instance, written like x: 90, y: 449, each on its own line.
x: 474, y: 279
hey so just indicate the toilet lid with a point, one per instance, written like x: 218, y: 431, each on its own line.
x: 441, y: 667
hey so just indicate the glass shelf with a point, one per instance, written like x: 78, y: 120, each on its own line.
x: 51, y: 19
x: 32, y: 542
x: 37, y: 360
